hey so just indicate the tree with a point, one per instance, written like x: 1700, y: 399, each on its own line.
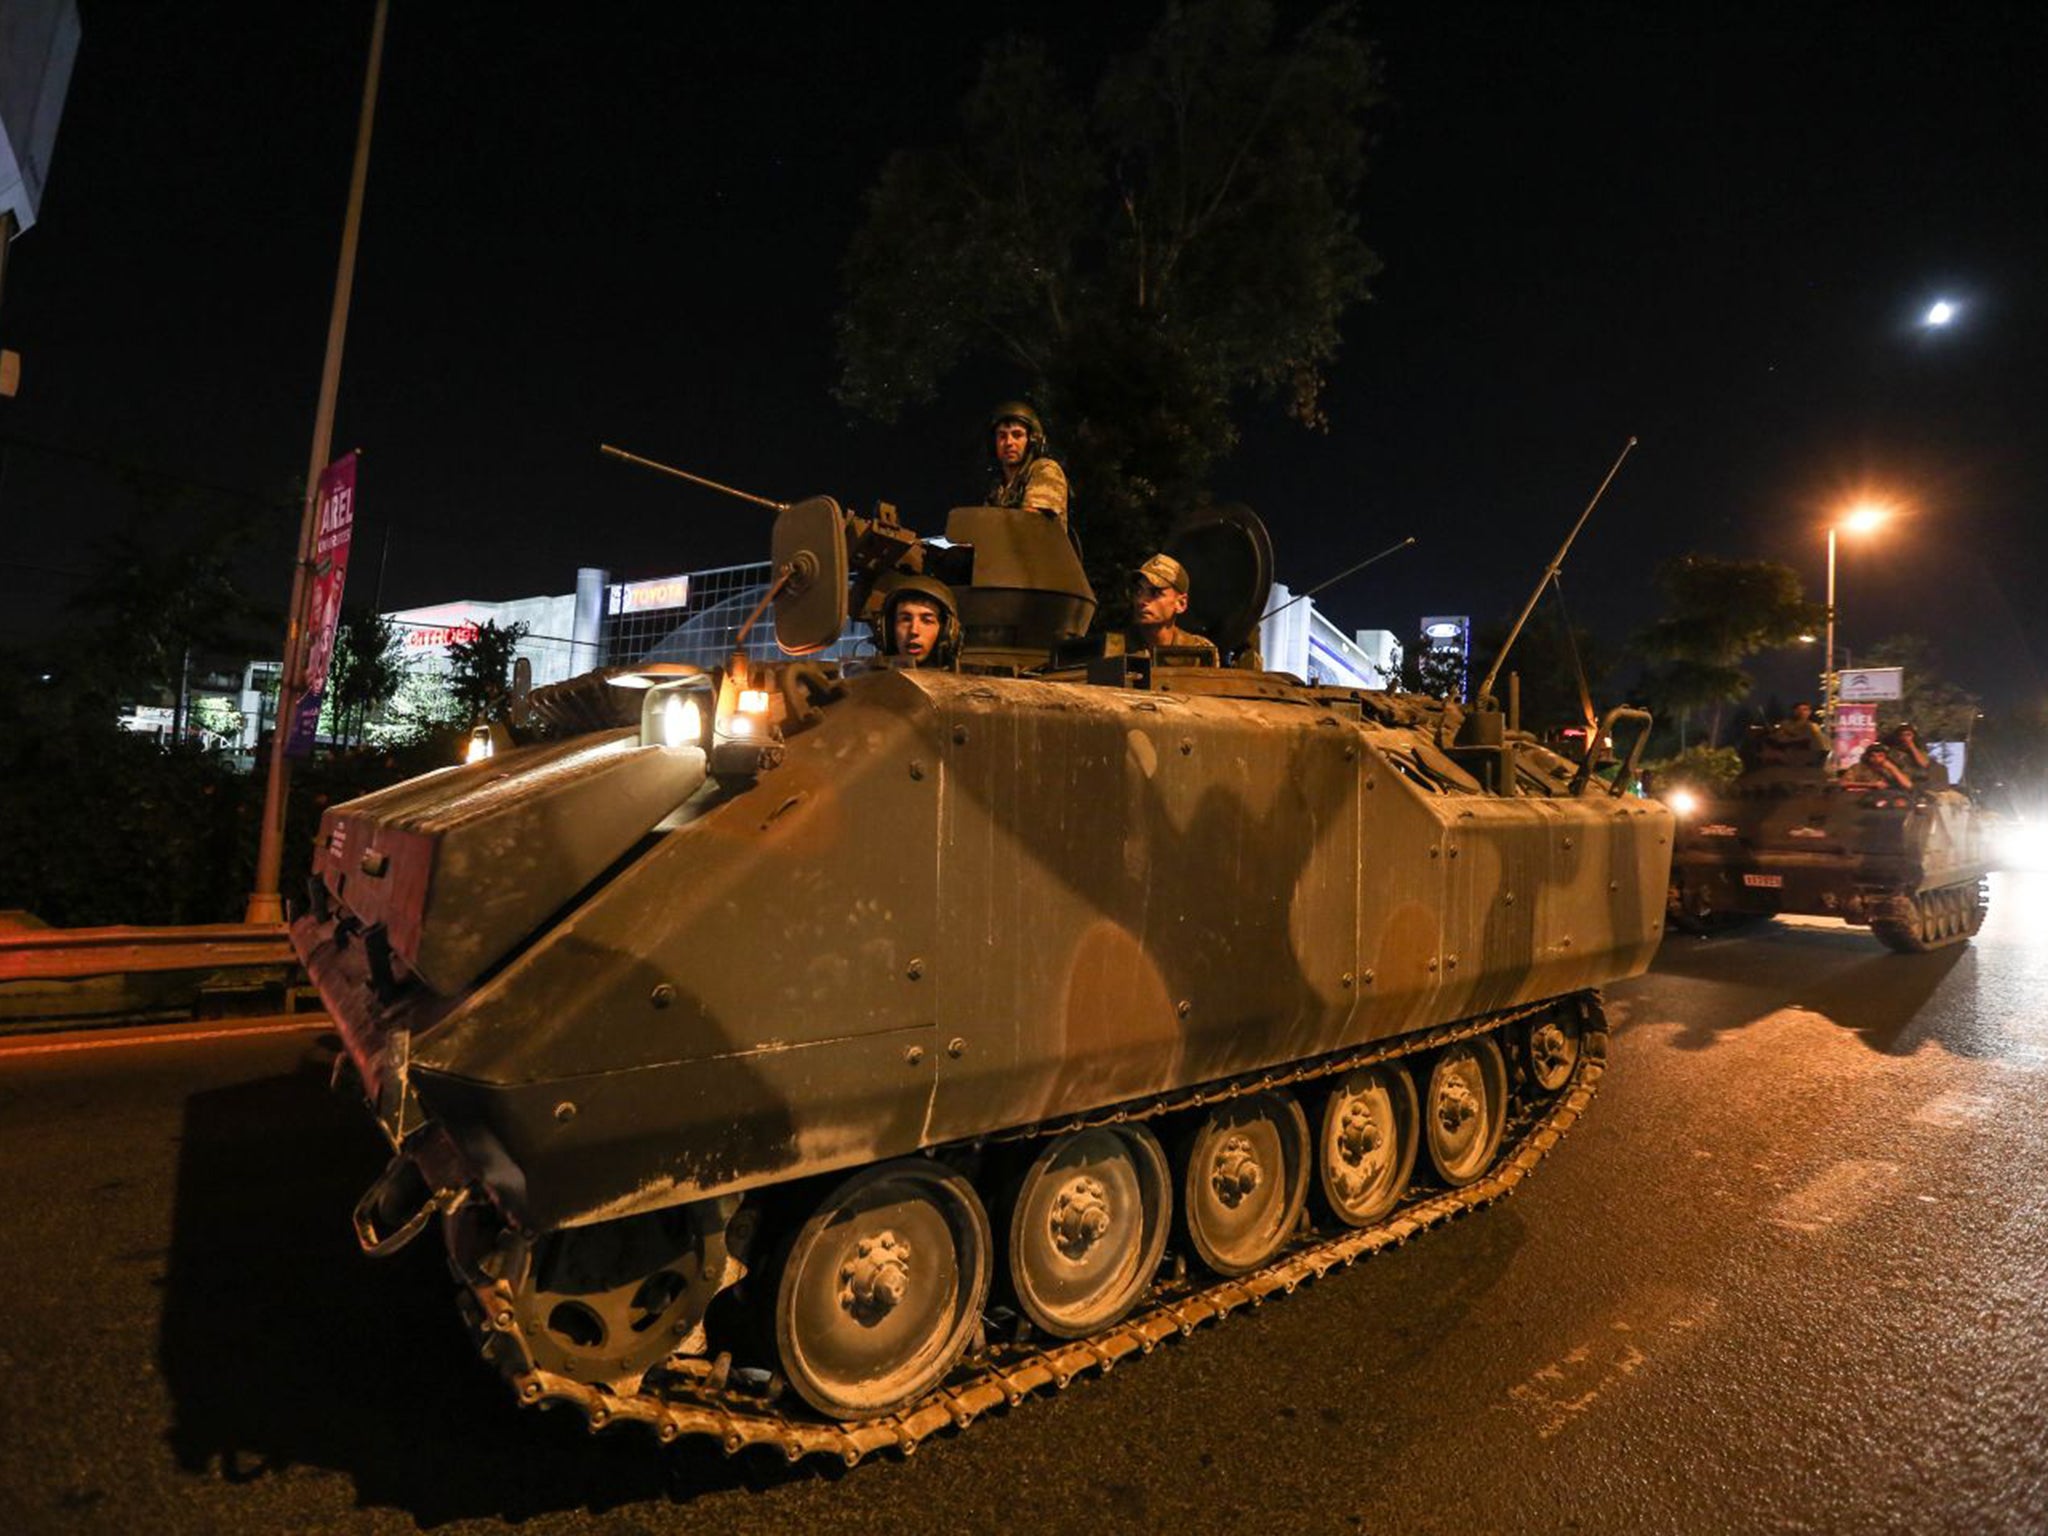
x: 1937, y: 708
x: 1718, y: 614
x: 1430, y: 669
x: 1547, y: 661
x: 363, y: 674
x: 161, y: 601
x: 480, y: 676
x: 1140, y: 259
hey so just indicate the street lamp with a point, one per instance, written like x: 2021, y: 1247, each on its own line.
x: 1860, y: 518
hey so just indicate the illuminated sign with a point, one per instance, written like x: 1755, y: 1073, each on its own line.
x: 647, y: 596
x: 427, y: 637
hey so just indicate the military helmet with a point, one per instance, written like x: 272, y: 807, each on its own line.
x: 934, y: 591
x: 1024, y: 416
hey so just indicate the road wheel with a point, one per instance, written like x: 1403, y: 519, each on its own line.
x: 1088, y: 1226
x: 1550, y: 1048
x: 1244, y: 1178
x: 1464, y: 1109
x: 882, y: 1288
x: 1370, y: 1129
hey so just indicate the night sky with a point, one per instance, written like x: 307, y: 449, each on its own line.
x: 1713, y: 229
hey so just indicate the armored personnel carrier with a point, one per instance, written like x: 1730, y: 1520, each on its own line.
x: 1790, y: 836
x: 818, y: 1055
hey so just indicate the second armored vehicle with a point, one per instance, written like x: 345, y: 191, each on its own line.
x: 1790, y: 837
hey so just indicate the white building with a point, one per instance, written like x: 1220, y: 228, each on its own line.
x: 1295, y: 637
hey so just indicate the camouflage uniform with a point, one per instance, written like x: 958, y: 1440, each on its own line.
x: 1040, y: 485
x: 1165, y: 571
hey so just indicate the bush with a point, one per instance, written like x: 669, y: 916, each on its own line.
x: 1707, y: 769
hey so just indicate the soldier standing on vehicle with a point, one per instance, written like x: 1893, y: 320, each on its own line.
x: 1026, y: 474
x: 920, y: 624
x: 1158, y: 599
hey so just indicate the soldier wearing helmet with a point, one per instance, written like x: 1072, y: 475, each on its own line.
x: 920, y: 624
x: 1026, y: 476
x: 1920, y: 765
x: 1158, y: 599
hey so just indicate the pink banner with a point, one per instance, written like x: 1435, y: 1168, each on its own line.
x: 1855, y: 729
x: 323, y: 601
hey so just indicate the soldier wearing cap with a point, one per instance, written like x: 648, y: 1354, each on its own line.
x: 1158, y: 599
x: 1026, y: 475
x: 920, y: 624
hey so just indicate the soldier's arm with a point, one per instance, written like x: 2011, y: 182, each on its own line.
x: 1045, y: 489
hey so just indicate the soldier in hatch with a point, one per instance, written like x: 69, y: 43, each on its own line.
x: 1799, y: 729
x: 1921, y: 766
x: 1877, y: 768
x: 920, y: 624
x: 1158, y: 599
x: 1026, y: 475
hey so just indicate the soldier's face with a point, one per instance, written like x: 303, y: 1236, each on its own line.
x: 916, y: 628
x: 1011, y: 441
x: 1158, y: 605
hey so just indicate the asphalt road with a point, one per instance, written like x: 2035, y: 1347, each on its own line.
x: 1789, y: 1274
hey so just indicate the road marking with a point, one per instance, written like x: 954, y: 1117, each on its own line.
x: 1954, y: 1109
x: 1835, y: 1194
x: 1566, y: 1389
x: 175, y: 1034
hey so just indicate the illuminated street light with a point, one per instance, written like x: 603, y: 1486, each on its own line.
x: 1940, y: 312
x: 1861, y: 518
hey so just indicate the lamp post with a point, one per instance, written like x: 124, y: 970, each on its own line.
x: 1858, y: 519
x: 265, y: 904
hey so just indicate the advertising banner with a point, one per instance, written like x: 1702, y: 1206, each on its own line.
x: 336, y: 522
x: 1855, y: 729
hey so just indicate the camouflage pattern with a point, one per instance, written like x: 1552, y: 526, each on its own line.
x: 1040, y: 486
x: 643, y: 980
x: 964, y: 904
x: 1789, y: 837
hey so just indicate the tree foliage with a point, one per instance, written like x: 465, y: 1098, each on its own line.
x: 161, y: 599
x: 1547, y: 661
x: 1141, y: 257
x: 480, y: 677
x: 1718, y: 613
x: 364, y: 673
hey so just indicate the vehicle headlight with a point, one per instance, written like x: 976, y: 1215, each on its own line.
x: 672, y: 716
x: 2023, y: 845
x: 1683, y: 802
x: 682, y: 722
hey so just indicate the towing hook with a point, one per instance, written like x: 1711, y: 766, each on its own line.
x: 395, y: 1208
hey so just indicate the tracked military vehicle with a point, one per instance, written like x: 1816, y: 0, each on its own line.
x: 1789, y: 836
x: 817, y: 1055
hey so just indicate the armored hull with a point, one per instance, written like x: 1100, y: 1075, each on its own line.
x: 1907, y: 863
x: 840, y: 1051
x: 592, y: 990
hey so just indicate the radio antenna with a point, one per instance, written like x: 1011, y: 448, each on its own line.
x: 1549, y: 575
x: 684, y: 474
x: 1391, y: 549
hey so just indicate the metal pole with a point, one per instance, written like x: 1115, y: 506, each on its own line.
x: 1827, y: 661
x: 264, y: 904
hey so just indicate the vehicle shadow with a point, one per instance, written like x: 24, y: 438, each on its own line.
x: 1842, y: 974
x: 283, y: 1346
